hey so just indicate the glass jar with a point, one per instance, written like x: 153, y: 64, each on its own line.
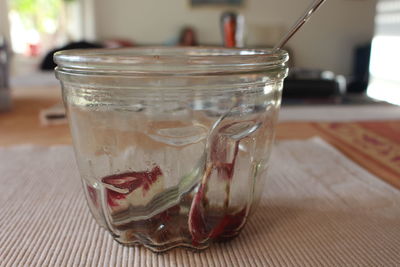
x: 172, y: 144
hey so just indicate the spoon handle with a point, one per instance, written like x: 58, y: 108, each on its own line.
x: 314, y: 6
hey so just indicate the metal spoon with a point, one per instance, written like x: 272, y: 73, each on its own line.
x: 299, y: 23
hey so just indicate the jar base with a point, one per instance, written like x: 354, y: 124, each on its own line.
x: 166, y: 247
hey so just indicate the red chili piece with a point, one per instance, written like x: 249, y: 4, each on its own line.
x: 130, y: 181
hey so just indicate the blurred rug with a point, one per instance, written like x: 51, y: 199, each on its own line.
x: 373, y: 144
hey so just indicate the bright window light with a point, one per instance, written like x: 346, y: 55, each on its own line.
x: 385, y: 53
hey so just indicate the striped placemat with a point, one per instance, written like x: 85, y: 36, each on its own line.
x: 318, y: 209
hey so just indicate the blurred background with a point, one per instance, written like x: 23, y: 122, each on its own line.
x: 348, y: 52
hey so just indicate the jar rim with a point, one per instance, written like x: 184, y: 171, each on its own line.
x: 168, y: 60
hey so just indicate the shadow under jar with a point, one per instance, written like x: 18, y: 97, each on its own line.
x: 172, y: 144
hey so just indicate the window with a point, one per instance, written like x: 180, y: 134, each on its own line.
x: 385, y: 53
x: 36, y: 25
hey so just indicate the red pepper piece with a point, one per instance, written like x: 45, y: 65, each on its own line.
x: 197, y: 224
x: 130, y: 181
x: 219, y: 154
x: 229, y: 224
x: 112, y: 197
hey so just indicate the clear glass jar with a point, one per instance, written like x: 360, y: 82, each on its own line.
x: 172, y: 144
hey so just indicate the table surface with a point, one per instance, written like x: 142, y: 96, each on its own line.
x: 325, y: 218
x: 364, y: 142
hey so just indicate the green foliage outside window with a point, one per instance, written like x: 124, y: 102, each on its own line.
x: 37, y: 14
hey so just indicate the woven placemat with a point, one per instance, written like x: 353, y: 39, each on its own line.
x: 318, y: 209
